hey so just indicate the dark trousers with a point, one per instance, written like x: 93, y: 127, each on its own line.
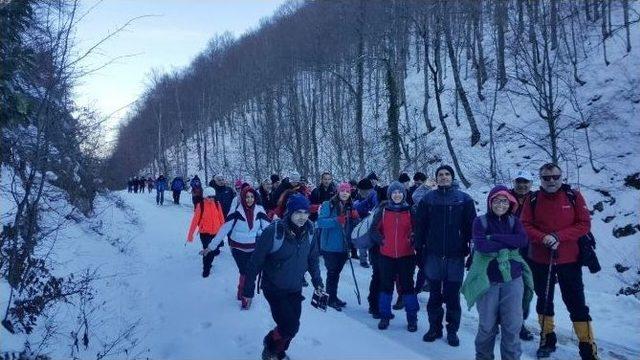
x: 241, y: 258
x: 392, y: 269
x: 176, y: 197
x: 159, y: 197
x: 207, y: 259
x: 334, y: 262
x: 286, y: 308
x: 569, y: 277
x: 374, y: 284
x: 448, y: 293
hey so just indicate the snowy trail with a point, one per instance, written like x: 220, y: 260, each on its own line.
x: 187, y: 317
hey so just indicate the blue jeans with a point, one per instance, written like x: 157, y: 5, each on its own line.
x: 159, y: 197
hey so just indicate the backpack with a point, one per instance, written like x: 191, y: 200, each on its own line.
x: 361, y: 233
x: 586, y: 243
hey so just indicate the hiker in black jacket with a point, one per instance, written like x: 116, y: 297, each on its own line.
x: 284, y: 252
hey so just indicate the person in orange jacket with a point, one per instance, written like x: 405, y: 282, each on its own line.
x: 208, y: 218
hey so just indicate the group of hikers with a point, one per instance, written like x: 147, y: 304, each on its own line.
x: 525, y: 243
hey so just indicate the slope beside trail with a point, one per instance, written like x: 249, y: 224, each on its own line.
x: 184, y: 316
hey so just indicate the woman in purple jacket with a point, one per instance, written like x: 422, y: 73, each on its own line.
x: 498, y: 278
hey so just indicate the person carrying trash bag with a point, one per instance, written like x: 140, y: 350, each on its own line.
x: 285, y: 250
x: 499, y: 279
x: 391, y: 229
x: 208, y: 219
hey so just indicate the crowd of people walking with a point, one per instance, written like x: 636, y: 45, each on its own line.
x: 523, y: 244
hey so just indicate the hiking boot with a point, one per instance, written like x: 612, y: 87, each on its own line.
x: 547, y: 345
x: 412, y: 326
x: 452, y: 339
x: 425, y: 287
x: 588, y: 351
x: 340, y: 302
x: 525, y: 334
x: 206, y: 272
x: 383, y: 324
x: 399, y: 305
x: 432, y: 335
x: 365, y: 264
x: 334, y: 304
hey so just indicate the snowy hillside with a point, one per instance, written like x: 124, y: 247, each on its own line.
x: 151, y: 278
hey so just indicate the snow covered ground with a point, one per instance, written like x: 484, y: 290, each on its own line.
x: 151, y: 277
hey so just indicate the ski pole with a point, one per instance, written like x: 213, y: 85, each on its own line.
x: 547, y: 290
x: 353, y: 273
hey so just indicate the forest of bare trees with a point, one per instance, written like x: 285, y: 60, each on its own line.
x: 322, y: 85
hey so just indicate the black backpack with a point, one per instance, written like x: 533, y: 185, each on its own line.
x: 586, y: 243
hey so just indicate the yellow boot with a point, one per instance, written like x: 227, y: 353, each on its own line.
x: 587, y: 346
x: 548, y: 337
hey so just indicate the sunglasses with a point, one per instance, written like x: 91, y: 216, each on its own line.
x: 549, y: 177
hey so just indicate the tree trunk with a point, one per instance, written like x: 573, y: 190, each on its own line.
x: 393, y: 120
x: 501, y: 16
x: 475, y: 133
x: 625, y: 9
x: 360, y: 91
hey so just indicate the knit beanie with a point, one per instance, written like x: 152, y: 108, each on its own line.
x: 395, y: 186
x: 419, y: 176
x: 448, y: 168
x: 365, y: 184
x: 404, y: 177
x: 372, y: 176
x: 275, y: 178
x: 344, y: 186
x: 297, y: 202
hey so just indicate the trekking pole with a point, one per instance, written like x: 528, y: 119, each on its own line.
x: 353, y: 272
x: 547, y: 290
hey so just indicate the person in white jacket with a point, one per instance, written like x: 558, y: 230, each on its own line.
x: 244, y: 223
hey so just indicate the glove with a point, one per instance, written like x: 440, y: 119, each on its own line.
x: 551, y: 242
x: 342, y: 219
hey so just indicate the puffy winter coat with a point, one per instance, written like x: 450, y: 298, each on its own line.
x: 177, y: 184
x: 443, y: 222
x: 318, y: 196
x: 332, y: 236
x: 242, y: 237
x: 208, y: 221
x: 283, y: 269
x: 555, y: 214
x: 395, y: 229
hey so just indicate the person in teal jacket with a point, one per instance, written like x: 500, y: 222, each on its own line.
x: 336, y: 218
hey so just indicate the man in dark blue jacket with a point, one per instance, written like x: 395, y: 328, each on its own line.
x: 443, y: 226
x: 177, y: 185
x: 284, y: 252
x: 224, y: 194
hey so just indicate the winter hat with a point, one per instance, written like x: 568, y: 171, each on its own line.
x: 344, y: 186
x: 448, y: 168
x: 372, y: 176
x: 353, y: 183
x: 365, y: 184
x: 294, y: 177
x: 239, y: 183
x: 243, y: 195
x: 208, y: 192
x: 275, y: 178
x: 297, y: 202
x: 419, y: 176
x: 404, y: 177
x: 395, y: 186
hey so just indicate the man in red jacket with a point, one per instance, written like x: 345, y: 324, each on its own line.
x: 554, y: 222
